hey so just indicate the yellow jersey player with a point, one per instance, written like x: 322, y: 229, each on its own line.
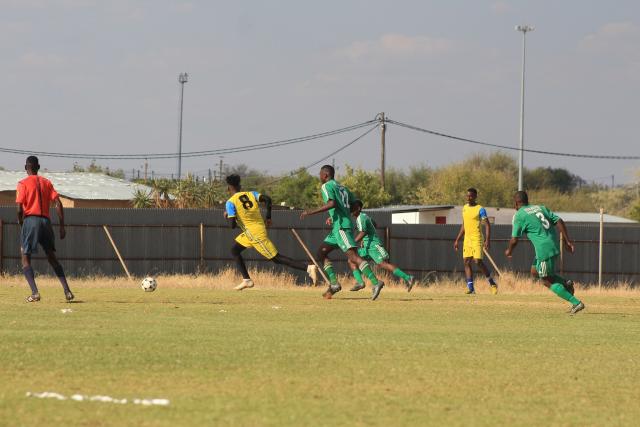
x: 473, y: 216
x: 243, y: 210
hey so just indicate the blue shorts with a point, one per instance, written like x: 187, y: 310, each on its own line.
x: 36, y: 230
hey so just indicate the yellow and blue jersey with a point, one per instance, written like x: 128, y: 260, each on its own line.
x: 472, y: 217
x: 244, y: 206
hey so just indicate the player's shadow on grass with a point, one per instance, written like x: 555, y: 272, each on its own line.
x: 75, y: 302
x: 591, y: 313
x: 384, y: 299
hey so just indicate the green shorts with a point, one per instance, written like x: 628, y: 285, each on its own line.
x: 342, y: 238
x: 546, y: 267
x: 375, y: 252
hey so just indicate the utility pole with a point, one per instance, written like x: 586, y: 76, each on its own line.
x: 220, y: 172
x: 182, y: 79
x: 523, y: 29
x: 613, y: 181
x: 383, y: 132
x: 146, y: 166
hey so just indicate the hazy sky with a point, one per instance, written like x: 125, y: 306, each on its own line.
x: 101, y: 77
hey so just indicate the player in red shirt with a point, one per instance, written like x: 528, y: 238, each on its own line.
x: 34, y: 196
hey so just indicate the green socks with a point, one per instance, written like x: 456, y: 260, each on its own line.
x: 401, y: 274
x: 366, y: 269
x: 331, y: 274
x: 559, y: 289
x: 358, y: 275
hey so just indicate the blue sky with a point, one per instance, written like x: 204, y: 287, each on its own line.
x: 98, y: 76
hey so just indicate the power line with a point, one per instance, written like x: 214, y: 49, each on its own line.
x: 293, y: 172
x: 333, y: 153
x: 205, y: 153
x: 506, y: 147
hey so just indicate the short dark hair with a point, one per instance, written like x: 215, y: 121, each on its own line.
x: 33, y: 162
x: 472, y: 190
x: 521, y: 196
x: 233, y: 180
x: 329, y: 170
x: 356, y: 203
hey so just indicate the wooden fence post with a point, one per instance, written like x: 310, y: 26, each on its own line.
x: 387, y: 240
x: 115, y: 248
x: 600, y: 249
x: 561, y: 253
x: 202, y: 266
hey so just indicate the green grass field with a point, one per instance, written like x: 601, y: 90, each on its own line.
x: 288, y: 357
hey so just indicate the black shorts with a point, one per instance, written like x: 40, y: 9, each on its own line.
x: 36, y: 230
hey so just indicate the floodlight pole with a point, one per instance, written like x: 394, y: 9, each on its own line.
x: 182, y: 79
x: 523, y: 29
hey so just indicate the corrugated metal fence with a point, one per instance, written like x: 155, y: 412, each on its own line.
x: 189, y: 241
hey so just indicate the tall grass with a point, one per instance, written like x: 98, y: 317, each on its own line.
x: 508, y: 283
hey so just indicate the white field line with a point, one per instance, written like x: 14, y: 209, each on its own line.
x: 98, y: 398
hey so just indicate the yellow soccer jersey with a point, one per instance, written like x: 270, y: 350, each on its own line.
x: 244, y: 207
x: 472, y: 217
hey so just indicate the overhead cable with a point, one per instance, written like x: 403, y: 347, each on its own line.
x: 205, y: 153
x: 506, y: 147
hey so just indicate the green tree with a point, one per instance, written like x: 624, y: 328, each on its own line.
x: 366, y: 186
x: 142, y: 199
x: 300, y: 190
x: 494, y: 176
x: 634, y: 213
x: 559, y: 179
x: 578, y: 201
x: 96, y: 168
x: 402, y: 186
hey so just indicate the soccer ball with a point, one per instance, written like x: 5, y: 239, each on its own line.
x: 149, y: 284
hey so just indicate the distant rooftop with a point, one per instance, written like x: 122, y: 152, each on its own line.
x: 410, y: 208
x: 593, y: 217
x: 79, y: 185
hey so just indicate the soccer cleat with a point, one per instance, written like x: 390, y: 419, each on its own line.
x: 469, y: 292
x: 357, y: 287
x: 568, y: 285
x: 331, y: 290
x: 494, y: 289
x: 312, y: 271
x: 33, y: 298
x: 409, y: 283
x: 576, y: 308
x: 376, y: 290
x: 246, y: 283
x: 69, y: 296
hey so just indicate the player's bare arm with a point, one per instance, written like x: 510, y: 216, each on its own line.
x: 460, y: 234
x: 268, y: 205
x: 232, y: 221
x: 60, y: 212
x: 568, y: 244
x: 487, y: 234
x: 360, y: 236
x: 20, y: 213
x: 512, y: 244
x: 330, y: 205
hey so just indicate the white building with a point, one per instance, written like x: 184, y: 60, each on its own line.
x: 450, y: 214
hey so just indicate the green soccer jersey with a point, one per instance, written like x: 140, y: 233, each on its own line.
x: 539, y: 223
x: 366, y: 225
x: 341, y: 214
